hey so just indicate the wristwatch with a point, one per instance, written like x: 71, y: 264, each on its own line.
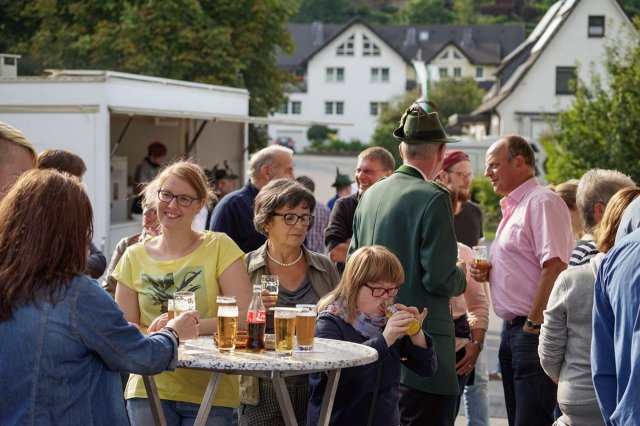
x: 533, y: 325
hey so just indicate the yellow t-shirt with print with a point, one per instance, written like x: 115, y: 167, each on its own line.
x: 155, y: 281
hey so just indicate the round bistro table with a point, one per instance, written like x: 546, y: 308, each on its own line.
x: 328, y: 355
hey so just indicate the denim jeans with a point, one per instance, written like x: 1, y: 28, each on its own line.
x: 476, y: 396
x: 529, y: 394
x: 177, y: 413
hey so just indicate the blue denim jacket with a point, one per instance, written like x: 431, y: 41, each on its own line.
x: 59, y: 363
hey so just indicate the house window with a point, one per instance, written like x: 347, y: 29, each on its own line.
x: 457, y: 72
x: 596, y: 26
x: 369, y: 48
x: 296, y: 107
x: 479, y: 73
x: 334, y: 107
x: 284, y: 108
x: 456, y: 55
x: 379, y: 75
x: 334, y: 74
x: 564, y: 76
x: 445, y: 55
x: 443, y: 72
x: 376, y: 108
x: 346, y: 48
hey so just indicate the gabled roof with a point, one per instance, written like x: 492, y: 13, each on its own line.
x: 481, y: 44
x: 515, y: 66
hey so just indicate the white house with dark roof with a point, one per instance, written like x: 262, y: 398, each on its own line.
x: 532, y: 82
x: 347, y: 73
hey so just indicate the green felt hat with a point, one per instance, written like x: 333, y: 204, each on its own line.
x: 420, y: 124
x: 342, y: 181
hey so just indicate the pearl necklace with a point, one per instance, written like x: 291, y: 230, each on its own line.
x: 286, y: 265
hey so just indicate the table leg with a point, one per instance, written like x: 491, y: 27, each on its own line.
x: 284, y: 400
x: 154, y: 400
x: 205, y: 407
x: 329, y: 396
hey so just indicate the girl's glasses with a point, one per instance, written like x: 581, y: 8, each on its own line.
x: 182, y: 200
x: 379, y: 292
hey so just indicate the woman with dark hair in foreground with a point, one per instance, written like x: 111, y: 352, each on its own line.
x: 64, y: 340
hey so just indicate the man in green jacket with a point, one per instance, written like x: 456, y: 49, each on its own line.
x: 411, y: 215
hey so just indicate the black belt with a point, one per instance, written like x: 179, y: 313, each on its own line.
x: 516, y: 321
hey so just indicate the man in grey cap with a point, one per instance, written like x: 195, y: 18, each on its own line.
x: 411, y: 215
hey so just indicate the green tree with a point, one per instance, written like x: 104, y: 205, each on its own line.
x: 464, y: 12
x: 456, y: 96
x: 388, y: 122
x: 424, y: 12
x: 226, y: 42
x: 600, y: 128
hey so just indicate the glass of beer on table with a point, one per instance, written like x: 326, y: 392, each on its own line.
x: 480, y: 258
x: 171, y: 309
x: 285, y: 329
x: 305, y: 327
x: 227, y: 322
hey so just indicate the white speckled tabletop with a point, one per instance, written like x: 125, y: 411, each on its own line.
x: 327, y: 354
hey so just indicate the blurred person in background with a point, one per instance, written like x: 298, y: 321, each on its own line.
x: 68, y: 162
x: 146, y: 171
x: 321, y: 213
x: 567, y: 191
x: 595, y: 189
x: 342, y: 184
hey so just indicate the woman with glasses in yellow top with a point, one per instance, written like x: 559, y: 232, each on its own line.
x: 181, y: 259
x: 282, y: 212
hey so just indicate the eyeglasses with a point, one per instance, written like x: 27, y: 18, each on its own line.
x: 182, y: 200
x: 292, y: 218
x: 379, y: 292
x: 461, y: 174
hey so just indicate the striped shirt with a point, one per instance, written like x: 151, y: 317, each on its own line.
x: 583, y: 251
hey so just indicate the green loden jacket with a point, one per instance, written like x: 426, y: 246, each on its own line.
x: 413, y: 218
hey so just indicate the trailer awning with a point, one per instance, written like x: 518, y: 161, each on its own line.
x: 221, y: 117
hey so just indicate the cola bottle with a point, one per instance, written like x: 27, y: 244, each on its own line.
x: 256, y: 321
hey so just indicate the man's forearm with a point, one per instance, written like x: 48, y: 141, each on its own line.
x: 550, y: 271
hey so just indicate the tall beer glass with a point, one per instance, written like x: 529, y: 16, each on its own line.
x: 227, y: 322
x: 285, y: 329
x: 305, y: 327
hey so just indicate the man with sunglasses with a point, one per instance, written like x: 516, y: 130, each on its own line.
x: 412, y: 216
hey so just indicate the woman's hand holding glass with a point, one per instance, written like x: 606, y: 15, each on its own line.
x: 398, y: 325
x: 185, y: 324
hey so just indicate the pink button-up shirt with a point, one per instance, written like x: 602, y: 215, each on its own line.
x: 535, y: 227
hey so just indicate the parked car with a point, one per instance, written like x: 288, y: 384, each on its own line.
x: 285, y: 141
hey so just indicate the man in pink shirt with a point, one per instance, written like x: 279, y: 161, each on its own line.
x: 532, y: 246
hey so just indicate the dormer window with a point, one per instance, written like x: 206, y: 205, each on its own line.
x: 596, y: 26
x: 369, y: 48
x: 346, y: 48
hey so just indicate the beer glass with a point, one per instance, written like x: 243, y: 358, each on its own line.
x: 171, y: 309
x: 305, y: 327
x: 480, y: 258
x: 227, y: 322
x: 285, y: 329
x: 271, y: 284
x: 184, y: 301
